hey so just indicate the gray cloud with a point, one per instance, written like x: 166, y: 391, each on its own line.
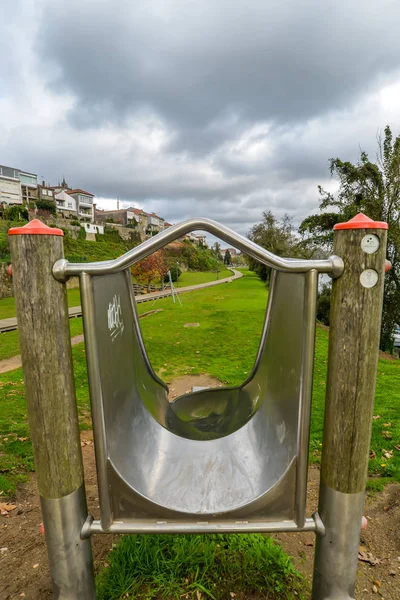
x: 214, y: 109
x: 194, y: 63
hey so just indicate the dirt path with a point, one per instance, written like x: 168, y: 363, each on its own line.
x: 23, y: 559
x: 9, y: 364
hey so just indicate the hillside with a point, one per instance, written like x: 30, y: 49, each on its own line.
x: 106, y: 247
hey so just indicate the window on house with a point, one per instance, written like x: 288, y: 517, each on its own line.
x: 69, y: 204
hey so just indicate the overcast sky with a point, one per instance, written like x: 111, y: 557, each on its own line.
x: 212, y: 108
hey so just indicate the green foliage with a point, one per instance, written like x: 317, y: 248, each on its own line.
x: 227, y: 258
x: 197, y: 258
x: 16, y: 213
x: 324, y: 303
x: 277, y: 236
x: 374, y: 189
x: 176, y: 566
x: 48, y: 205
x: 75, y: 222
x: 175, y: 274
x: 82, y: 233
x: 4, y: 247
x: 107, y: 246
x: 233, y: 311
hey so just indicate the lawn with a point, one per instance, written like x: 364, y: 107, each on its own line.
x: 174, y: 566
x: 195, y: 277
x: 227, y: 313
x: 7, y: 305
x: 199, y: 566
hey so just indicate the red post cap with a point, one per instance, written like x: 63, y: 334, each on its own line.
x: 361, y: 221
x: 35, y: 227
x: 388, y: 265
x: 9, y: 270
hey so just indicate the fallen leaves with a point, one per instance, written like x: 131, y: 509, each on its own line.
x: 387, y: 453
x: 368, y: 557
x: 6, y: 508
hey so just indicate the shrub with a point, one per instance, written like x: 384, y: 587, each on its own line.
x: 48, y: 205
x: 16, y: 213
x: 175, y: 274
x: 324, y: 304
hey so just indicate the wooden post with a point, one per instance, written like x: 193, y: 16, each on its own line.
x: 355, y: 321
x: 43, y: 325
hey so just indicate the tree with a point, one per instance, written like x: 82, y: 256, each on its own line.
x: 154, y: 267
x: 374, y: 189
x: 227, y: 258
x: 278, y: 236
x: 217, y: 250
x: 324, y: 303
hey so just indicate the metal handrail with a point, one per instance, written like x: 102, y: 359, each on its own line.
x: 63, y: 269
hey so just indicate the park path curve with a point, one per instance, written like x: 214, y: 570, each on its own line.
x: 10, y: 364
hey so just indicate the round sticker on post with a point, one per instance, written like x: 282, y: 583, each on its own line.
x: 370, y: 243
x: 369, y: 278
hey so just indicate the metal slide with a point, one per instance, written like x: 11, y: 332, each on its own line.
x: 212, y: 459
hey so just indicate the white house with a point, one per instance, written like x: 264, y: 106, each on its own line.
x: 10, y: 190
x: 92, y: 228
x: 65, y: 203
x: 84, y: 203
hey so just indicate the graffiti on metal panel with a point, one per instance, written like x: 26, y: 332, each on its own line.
x: 114, y: 316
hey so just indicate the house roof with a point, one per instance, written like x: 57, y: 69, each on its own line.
x: 79, y: 191
x: 117, y: 210
x: 64, y: 196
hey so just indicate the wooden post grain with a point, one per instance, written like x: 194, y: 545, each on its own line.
x: 43, y: 326
x: 355, y: 320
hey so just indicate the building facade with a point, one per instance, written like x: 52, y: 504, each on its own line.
x: 11, y: 179
x: 65, y: 204
x: 125, y: 216
x: 154, y: 223
x: 45, y: 192
x: 92, y: 228
x: 10, y: 190
x: 84, y: 204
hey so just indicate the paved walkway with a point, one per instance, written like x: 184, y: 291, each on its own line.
x: 76, y: 311
x: 9, y: 364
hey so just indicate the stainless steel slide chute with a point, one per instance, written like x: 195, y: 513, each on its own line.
x: 226, y: 459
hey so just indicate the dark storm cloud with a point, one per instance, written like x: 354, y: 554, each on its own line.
x: 214, y: 108
x: 194, y: 63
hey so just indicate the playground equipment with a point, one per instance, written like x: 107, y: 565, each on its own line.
x: 219, y: 460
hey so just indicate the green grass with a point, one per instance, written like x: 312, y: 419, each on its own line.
x: 232, y: 311
x: 9, y: 341
x: 199, y: 566
x: 385, y: 437
x: 7, y: 305
x: 195, y: 277
x: 212, y: 566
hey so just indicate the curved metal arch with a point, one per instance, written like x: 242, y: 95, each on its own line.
x: 63, y: 269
